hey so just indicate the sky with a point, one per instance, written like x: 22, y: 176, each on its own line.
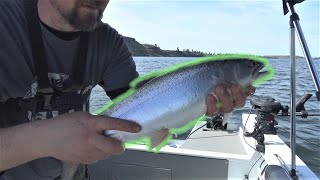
x: 216, y: 26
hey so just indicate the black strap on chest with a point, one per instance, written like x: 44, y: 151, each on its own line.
x: 38, y: 51
x: 58, y: 100
x: 36, y: 42
x: 62, y: 103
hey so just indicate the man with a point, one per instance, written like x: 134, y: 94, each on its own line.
x: 53, y: 52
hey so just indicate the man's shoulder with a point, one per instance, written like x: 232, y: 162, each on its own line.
x: 104, y: 26
x: 106, y: 29
x: 7, y: 2
x: 106, y: 36
x: 12, y: 13
x: 13, y: 6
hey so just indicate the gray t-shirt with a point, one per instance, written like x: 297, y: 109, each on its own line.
x: 108, y: 60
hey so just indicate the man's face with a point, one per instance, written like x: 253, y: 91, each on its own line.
x: 82, y: 15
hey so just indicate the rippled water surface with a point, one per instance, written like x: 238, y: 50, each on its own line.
x: 308, y: 130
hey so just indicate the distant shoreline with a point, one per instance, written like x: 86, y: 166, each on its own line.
x: 147, y: 50
x: 286, y: 57
x: 280, y: 57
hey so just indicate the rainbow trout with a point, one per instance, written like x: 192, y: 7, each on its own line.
x: 177, y: 97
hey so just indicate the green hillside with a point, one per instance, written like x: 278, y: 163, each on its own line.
x: 139, y: 49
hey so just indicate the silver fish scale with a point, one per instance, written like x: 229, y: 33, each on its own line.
x: 172, y: 100
x: 153, y: 87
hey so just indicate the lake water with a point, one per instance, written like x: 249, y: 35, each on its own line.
x: 308, y: 130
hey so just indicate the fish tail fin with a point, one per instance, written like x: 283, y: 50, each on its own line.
x: 159, y: 139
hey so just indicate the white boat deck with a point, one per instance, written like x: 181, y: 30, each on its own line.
x: 215, y: 141
x: 205, y: 155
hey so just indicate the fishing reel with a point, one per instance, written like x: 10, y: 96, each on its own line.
x: 215, y: 123
x: 267, y: 108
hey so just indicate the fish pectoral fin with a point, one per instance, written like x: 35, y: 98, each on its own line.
x: 158, y: 137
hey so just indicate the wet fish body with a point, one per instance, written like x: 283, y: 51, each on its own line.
x: 174, y: 99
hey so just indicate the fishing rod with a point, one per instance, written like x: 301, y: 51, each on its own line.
x: 300, y: 109
x: 288, y: 5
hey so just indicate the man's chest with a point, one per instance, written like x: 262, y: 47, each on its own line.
x: 18, y: 76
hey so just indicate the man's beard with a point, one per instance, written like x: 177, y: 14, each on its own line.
x: 79, y: 20
x: 86, y: 22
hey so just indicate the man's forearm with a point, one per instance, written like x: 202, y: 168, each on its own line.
x: 20, y: 144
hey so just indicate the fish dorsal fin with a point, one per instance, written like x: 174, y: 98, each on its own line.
x: 142, y: 80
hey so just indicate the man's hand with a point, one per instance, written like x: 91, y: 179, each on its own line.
x: 228, y: 99
x: 78, y: 137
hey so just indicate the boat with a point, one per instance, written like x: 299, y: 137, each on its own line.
x: 207, y: 154
x: 253, y: 150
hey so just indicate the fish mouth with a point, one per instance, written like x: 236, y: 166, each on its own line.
x: 257, y: 73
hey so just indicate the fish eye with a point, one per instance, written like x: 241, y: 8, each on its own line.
x: 252, y: 63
